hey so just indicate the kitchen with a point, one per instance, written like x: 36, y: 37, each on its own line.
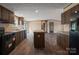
x: 48, y: 31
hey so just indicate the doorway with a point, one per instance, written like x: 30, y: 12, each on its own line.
x: 51, y: 27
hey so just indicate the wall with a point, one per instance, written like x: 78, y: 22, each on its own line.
x: 34, y: 25
x: 57, y: 26
x: 65, y: 27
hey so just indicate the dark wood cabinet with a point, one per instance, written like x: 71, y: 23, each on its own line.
x: 66, y: 16
x: 21, y: 20
x: 11, y: 17
x: 75, y: 8
x: 39, y: 40
x: 63, y: 41
x: 6, y: 16
x: 4, y: 13
x: 62, y: 18
x: 7, y: 43
x: 20, y: 36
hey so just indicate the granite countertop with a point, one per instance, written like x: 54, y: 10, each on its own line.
x: 11, y: 32
x: 63, y: 32
x: 14, y: 31
x: 8, y: 33
x: 38, y: 31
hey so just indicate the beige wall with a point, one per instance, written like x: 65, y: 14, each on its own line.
x: 65, y: 27
x: 57, y: 26
x: 34, y: 25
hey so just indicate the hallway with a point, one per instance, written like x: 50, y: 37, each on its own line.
x: 27, y: 48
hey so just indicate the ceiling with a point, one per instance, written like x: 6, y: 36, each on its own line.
x: 37, y: 11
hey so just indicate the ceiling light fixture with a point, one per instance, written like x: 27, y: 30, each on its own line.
x: 36, y: 11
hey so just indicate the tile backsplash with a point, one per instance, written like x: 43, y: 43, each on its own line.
x: 11, y: 27
x: 65, y: 27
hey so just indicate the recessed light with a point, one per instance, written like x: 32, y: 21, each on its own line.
x: 36, y: 11
x: 75, y: 11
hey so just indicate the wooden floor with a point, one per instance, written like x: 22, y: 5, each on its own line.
x: 27, y: 47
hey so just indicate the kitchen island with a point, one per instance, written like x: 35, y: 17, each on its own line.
x: 39, y: 39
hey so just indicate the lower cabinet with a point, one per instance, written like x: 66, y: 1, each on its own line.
x: 39, y: 40
x: 10, y: 41
x: 20, y: 36
x: 7, y: 44
x: 63, y: 41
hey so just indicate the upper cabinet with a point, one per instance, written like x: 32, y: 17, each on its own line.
x: 66, y: 16
x: 6, y: 16
x: 74, y: 9
x: 11, y: 17
x: 21, y: 20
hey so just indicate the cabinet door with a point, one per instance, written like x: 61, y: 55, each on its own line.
x: 75, y: 8
x: 68, y: 16
x: 3, y: 13
x: 0, y: 12
x: 20, y: 21
x: 11, y: 17
x: 62, y: 18
x: 65, y: 17
x: 7, y: 15
x: 17, y: 38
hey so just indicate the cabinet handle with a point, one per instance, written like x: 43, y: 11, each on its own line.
x: 13, y: 39
x: 10, y: 45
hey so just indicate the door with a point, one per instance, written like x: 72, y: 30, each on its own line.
x: 51, y: 27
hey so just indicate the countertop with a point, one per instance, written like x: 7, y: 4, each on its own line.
x: 11, y: 32
x: 38, y: 31
x: 63, y: 32
x: 8, y: 33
